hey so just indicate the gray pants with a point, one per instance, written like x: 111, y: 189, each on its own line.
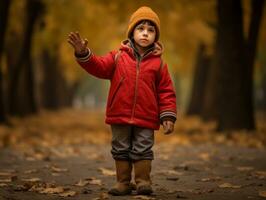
x: 132, y: 143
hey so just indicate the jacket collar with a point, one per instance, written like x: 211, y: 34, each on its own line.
x: 128, y: 46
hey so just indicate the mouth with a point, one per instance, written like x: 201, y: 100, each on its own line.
x: 144, y: 40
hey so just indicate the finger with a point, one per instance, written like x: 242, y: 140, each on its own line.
x: 72, y: 37
x: 70, y: 42
x: 85, y: 42
x: 164, y: 125
x: 78, y: 36
x: 168, y: 125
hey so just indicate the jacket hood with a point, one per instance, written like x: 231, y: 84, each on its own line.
x: 127, y: 45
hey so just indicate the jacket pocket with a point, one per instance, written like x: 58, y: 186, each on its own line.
x: 115, y: 91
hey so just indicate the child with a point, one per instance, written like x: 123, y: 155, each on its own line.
x: 141, y: 96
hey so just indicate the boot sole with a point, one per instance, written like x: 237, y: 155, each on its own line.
x: 144, y: 191
x: 119, y: 193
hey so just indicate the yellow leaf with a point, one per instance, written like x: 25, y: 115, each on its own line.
x: 57, y: 169
x: 229, y: 185
x: 31, y: 179
x: 68, y: 194
x: 82, y: 183
x: 54, y: 190
x: 8, y: 180
x: 262, y: 193
x: 107, y: 172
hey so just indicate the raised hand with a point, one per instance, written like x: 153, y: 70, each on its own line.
x: 168, y: 126
x: 79, y: 44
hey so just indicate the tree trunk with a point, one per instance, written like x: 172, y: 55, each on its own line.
x: 250, y: 53
x: 56, y: 93
x: 4, y: 8
x: 199, y: 83
x: 22, y: 78
x: 226, y: 90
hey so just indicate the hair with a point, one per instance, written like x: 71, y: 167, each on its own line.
x: 150, y: 23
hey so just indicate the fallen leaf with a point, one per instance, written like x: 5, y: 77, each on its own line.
x: 169, y: 172
x: 68, y: 194
x: 262, y: 193
x: 82, y: 183
x: 54, y: 190
x: 30, y: 171
x: 107, y: 172
x: 57, y: 169
x: 204, y: 156
x: 229, y: 185
x: 95, y: 182
x: 211, y: 179
x: 31, y: 179
x: 245, y: 168
x: 5, y: 174
x: 8, y: 180
x: 259, y: 174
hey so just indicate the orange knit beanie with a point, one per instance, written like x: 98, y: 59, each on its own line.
x: 144, y: 13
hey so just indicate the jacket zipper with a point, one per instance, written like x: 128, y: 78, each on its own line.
x: 136, y: 86
x: 136, y: 90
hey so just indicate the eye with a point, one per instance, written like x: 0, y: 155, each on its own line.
x: 151, y: 30
x: 140, y: 28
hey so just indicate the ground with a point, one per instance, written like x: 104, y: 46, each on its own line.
x: 66, y: 155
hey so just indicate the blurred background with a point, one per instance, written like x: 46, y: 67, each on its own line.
x: 215, y: 50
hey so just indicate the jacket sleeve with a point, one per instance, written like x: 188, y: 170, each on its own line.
x: 99, y: 66
x: 166, y: 96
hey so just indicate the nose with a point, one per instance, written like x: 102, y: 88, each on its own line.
x: 145, y: 32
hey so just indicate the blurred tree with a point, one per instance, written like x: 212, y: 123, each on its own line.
x: 229, y: 89
x: 200, y: 79
x: 22, y: 99
x: 4, y: 8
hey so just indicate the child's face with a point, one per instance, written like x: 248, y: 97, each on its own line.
x: 144, y: 34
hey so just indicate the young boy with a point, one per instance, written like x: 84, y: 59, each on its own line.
x: 141, y: 96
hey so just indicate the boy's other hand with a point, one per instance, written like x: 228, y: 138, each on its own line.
x: 168, y: 126
x: 79, y: 44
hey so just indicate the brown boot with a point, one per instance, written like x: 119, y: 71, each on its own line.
x: 123, y: 175
x: 142, y: 176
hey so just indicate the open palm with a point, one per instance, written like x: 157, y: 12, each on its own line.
x: 79, y: 44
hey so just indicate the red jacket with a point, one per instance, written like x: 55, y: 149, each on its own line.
x: 141, y: 91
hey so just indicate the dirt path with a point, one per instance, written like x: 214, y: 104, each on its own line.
x: 179, y: 172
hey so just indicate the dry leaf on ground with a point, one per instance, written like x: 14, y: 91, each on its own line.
x: 94, y: 181
x: 262, y: 193
x: 5, y: 174
x: 82, y: 183
x: 31, y: 179
x: 57, y: 169
x: 211, y: 179
x: 229, y: 185
x: 245, y: 168
x: 68, y: 194
x: 107, y: 172
x: 52, y: 190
